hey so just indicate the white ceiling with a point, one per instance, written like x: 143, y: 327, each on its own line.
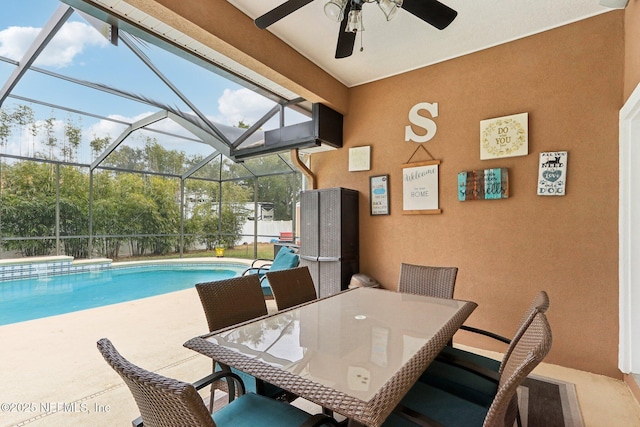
x: 406, y: 42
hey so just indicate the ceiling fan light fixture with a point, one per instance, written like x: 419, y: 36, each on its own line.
x: 334, y: 9
x: 389, y: 7
x: 354, y: 21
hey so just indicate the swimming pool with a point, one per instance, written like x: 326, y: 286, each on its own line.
x: 28, y: 299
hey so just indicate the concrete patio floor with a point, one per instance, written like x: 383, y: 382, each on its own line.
x: 53, y: 374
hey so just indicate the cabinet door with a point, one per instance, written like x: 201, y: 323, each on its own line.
x: 350, y: 234
x: 330, y: 229
x: 309, y: 225
x: 314, y: 270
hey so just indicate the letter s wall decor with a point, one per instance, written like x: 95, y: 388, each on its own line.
x: 419, y: 120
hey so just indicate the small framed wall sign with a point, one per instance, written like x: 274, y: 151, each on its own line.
x: 504, y: 136
x: 360, y: 158
x: 379, y: 194
x: 552, y: 173
x: 420, y: 188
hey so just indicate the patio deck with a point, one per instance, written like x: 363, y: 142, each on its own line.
x: 53, y: 363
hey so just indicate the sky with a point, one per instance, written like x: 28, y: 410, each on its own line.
x: 80, y: 51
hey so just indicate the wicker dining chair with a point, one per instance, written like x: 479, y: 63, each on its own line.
x: 287, y: 257
x: 425, y: 280
x: 425, y: 404
x: 226, y: 303
x: 231, y: 301
x: 471, y: 375
x: 167, y: 402
x: 292, y: 287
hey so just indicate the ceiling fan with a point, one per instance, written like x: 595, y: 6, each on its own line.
x: 431, y: 11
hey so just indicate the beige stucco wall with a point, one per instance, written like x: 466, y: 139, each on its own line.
x: 570, y: 81
x: 632, y: 47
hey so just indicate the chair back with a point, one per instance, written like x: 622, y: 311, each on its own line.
x: 231, y: 301
x: 540, y: 304
x: 163, y: 402
x: 528, y: 352
x: 424, y: 280
x: 291, y: 287
x: 285, y: 258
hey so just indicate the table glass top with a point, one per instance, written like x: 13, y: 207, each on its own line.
x: 353, y: 342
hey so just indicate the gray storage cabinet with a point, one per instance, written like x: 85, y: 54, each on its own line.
x: 329, y: 237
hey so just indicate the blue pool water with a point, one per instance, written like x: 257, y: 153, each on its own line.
x: 29, y: 299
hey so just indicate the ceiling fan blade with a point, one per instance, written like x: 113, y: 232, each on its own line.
x: 276, y: 14
x: 346, y: 40
x: 431, y: 11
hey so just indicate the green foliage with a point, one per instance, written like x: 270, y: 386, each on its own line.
x: 233, y: 216
x: 140, y: 211
x: 19, y: 117
x: 280, y: 190
x: 98, y: 144
x: 50, y: 139
x: 74, y: 211
x: 29, y: 179
x: 73, y: 137
x: 191, y: 226
x: 29, y: 217
x: 73, y: 222
x: 106, y: 222
x: 5, y: 127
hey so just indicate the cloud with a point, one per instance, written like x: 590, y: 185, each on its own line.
x: 61, y: 51
x: 104, y: 128
x: 14, y: 41
x: 242, y: 105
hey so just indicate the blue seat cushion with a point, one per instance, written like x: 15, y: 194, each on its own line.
x: 487, y: 362
x: 266, y: 288
x: 440, y: 406
x: 250, y: 410
x: 284, y: 260
x: 251, y: 384
x: 461, y: 382
x: 285, y: 249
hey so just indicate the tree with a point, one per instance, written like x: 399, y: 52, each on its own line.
x: 127, y: 158
x: 73, y: 137
x: 162, y: 160
x: 276, y: 185
x: 128, y: 208
x: 163, y: 193
x: 32, y: 218
x: 74, y: 211
x: 50, y: 139
x: 106, y: 222
x: 99, y: 144
x: 28, y: 208
x: 5, y: 127
x: 20, y: 116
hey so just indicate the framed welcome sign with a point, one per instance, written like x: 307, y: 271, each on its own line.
x: 420, y: 188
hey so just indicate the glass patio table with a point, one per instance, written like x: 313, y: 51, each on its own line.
x: 357, y: 352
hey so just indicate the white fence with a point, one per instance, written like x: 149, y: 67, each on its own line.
x: 267, y: 230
